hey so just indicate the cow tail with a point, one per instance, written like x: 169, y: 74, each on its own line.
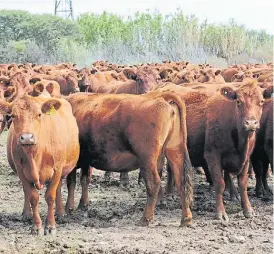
x: 187, y: 184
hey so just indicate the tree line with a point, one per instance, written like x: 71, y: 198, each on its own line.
x: 144, y: 37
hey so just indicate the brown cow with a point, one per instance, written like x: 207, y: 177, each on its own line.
x: 120, y: 133
x: 42, y: 148
x: 221, y: 134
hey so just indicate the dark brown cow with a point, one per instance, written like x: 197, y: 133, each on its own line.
x: 120, y: 133
x: 262, y: 155
x: 42, y: 148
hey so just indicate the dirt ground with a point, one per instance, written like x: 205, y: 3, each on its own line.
x: 109, y: 225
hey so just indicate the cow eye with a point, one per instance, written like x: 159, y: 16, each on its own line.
x: 261, y: 102
x: 12, y: 116
x: 39, y: 115
x: 238, y: 103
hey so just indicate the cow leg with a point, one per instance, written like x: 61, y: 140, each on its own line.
x: 170, y: 181
x: 268, y: 194
x: 214, y: 164
x: 251, y: 173
x: 229, y: 184
x: 60, y: 211
x: 207, y: 174
x: 124, y: 179
x: 27, y: 214
x: 85, y: 180
x: 71, y: 183
x: 258, y: 169
x: 152, y: 181
x: 140, y: 177
x: 181, y: 168
x: 242, y: 181
x: 33, y: 197
x: 50, y: 197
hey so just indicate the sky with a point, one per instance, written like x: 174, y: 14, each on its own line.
x: 253, y: 14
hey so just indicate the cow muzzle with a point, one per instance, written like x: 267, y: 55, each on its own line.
x: 251, y: 125
x: 26, y: 139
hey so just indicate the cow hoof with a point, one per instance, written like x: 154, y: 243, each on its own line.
x: 186, y: 222
x: 26, y: 218
x: 222, y: 216
x: 69, y: 210
x: 61, y: 219
x: 235, y: 198
x: 82, y: 207
x: 144, y: 222
x: 259, y: 193
x: 50, y: 231
x: 249, y: 214
x: 36, y: 231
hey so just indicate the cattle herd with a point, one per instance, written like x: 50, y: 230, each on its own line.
x: 120, y: 118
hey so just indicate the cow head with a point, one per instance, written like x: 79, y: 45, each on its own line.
x: 27, y: 115
x: 72, y: 83
x: 248, y: 99
x: 146, y: 80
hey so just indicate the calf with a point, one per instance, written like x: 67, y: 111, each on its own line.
x: 120, y: 133
x: 42, y: 148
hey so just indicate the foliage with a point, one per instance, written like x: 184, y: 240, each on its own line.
x: 145, y: 37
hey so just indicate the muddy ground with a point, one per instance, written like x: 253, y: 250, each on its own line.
x: 109, y: 224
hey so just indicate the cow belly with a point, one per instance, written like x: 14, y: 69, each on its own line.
x: 118, y: 162
x: 232, y: 162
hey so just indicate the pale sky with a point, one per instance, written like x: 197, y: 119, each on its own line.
x: 253, y: 14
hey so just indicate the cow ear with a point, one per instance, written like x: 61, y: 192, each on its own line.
x: 34, y: 80
x: 9, y: 91
x: 228, y: 92
x: 256, y: 75
x: 5, y: 107
x: 38, y: 88
x: 130, y: 74
x: 217, y: 72
x: 114, y: 75
x: 80, y: 76
x: 50, y: 107
x: 268, y: 92
x: 93, y: 71
x: 50, y: 87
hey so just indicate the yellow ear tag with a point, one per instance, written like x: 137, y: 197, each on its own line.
x: 51, y: 111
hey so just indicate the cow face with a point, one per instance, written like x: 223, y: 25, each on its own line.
x: 27, y: 116
x: 249, y: 99
x: 72, y: 83
x: 146, y: 80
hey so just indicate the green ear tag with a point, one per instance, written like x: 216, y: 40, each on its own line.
x: 51, y: 111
